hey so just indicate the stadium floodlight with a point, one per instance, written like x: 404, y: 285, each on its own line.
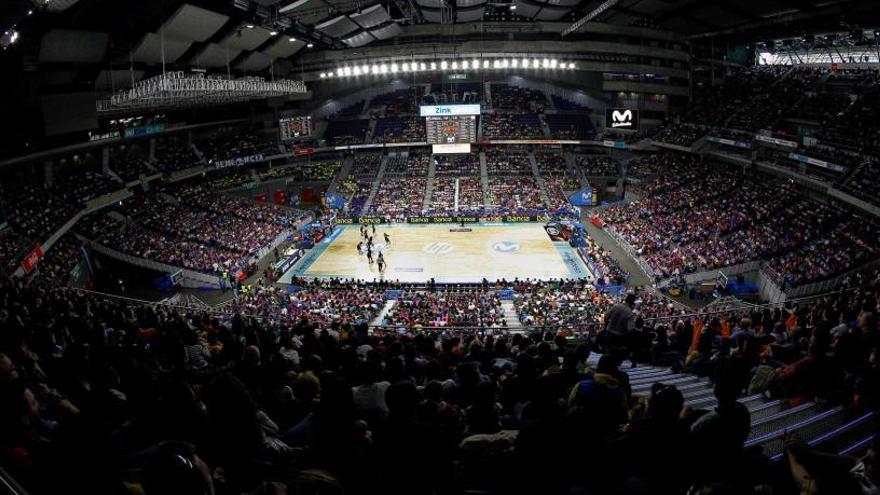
x: 404, y: 67
x: 464, y: 65
x: 310, y: 45
x: 323, y: 75
x: 514, y: 63
x: 433, y: 65
x: 394, y: 68
x: 365, y: 69
x: 356, y: 71
x: 535, y: 63
x: 423, y: 66
x: 545, y: 63
x: 475, y: 64
x: 444, y: 65
x: 571, y: 65
x: 249, y: 26
x: 374, y: 69
x: 454, y: 65
x: 553, y: 63
x: 525, y: 63
x: 273, y: 33
x: 339, y: 71
x: 485, y: 64
x: 383, y: 69
x: 292, y: 40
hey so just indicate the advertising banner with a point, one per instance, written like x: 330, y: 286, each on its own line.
x: 32, y: 259
x: 622, y: 118
x: 239, y: 162
x: 335, y: 201
x: 584, y: 197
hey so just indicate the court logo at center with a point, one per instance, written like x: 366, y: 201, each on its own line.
x: 436, y: 248
x: 505, y: 247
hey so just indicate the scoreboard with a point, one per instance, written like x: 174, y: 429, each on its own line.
x: 295, y: 127
x: 453, y: 129
x: 450, y: 124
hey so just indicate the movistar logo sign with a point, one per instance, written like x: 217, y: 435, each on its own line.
x: 621, y: 119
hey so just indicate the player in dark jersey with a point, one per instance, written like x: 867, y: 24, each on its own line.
x: 387, y: 238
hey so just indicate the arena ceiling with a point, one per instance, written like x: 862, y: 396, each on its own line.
x: 108, y: 44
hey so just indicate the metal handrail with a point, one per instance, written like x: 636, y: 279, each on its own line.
x: 9, y: 485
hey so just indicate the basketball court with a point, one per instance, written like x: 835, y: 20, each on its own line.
x: 420, y: 252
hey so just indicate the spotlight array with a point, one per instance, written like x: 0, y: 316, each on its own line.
x: 350, y: 70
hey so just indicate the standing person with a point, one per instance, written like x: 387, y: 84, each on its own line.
x: 370, y: 241
x: 374, y: 229
x: 381, y: 264
x: 387, y: 239
x: 381, y: 258
x: 360, y: 246
x: 369, y: 255
x: 619, y: 324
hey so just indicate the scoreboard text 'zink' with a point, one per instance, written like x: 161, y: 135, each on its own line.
x: 435, y: 110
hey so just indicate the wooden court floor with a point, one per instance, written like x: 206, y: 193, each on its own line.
x: 419, y: 252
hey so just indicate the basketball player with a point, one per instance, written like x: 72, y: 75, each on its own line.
x: 359, y: 247
x: 387, y: 239
x: 369, y: 255
x: 370, y: 241
x: 381, y: 258
x: 381, y: 264
x: 374, y: 229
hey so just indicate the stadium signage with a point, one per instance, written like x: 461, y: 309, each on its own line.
x: 436, y: 219
x: 817, y: 162
x: 621, y: 118
x: 729, y: 142
x: 444, y: 219
x: 104, y: 136
x: 144, y: 130
x: 614, y: 144
x: 776, y: 141
x: 239, y: 162
x: 364, y: 220
x: 32, y: 259
x: 445, y: 110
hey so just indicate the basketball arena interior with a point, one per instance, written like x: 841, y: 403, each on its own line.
x: 439, y: 247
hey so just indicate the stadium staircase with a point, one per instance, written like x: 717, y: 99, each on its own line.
x: 539, y: 180
x: 510, y: 317
x: 429, y: 184
x: 575, y: 170
x: 381, y: 316
x: 197, y: 152
x: 578, y: 172
x: 371, y: 129
x: 484, y: 181
x: 375, y: 187
x: 834, y: 429
x: 149, y: 164
x: 545, y: 127
x: 342, y: 175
